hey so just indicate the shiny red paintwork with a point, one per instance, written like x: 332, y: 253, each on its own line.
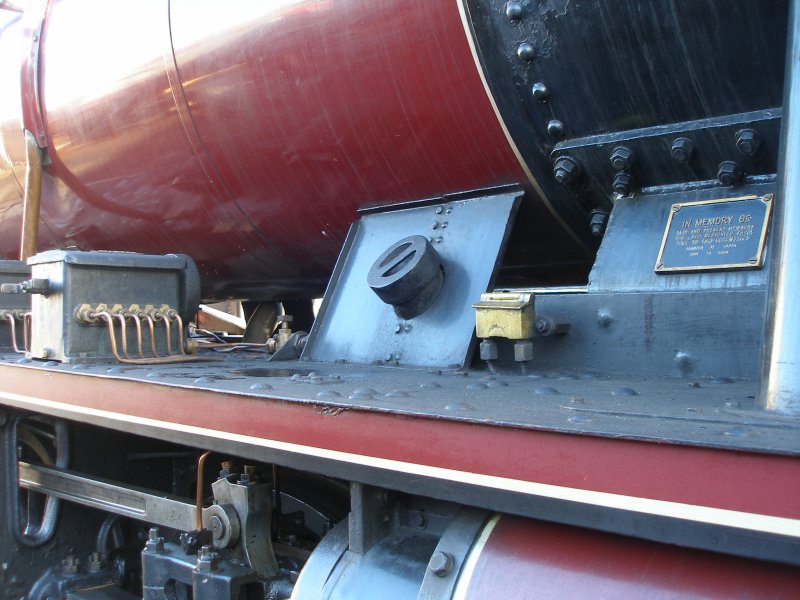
x: 530, y: 559
x: 252, y: 145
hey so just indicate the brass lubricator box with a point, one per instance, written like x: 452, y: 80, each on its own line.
x: 509, y: 315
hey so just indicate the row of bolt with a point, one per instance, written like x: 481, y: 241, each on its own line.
x: 247, y: 477
x: 729, y: 173
x: 207, y: 559
x: 71, y: 565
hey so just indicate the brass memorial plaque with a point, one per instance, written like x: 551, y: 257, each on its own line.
x: 713, y: 235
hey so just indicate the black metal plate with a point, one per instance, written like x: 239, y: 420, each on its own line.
x: 715, y: 235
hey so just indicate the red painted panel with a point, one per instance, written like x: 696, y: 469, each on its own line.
x: 12, y: 147
x: 747, y: 482
x: 124, y: 175
x: 531, y: 559
x: 336, y: 105
x: 253, y: 146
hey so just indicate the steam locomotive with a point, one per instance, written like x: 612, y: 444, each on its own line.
x: 508, y: 289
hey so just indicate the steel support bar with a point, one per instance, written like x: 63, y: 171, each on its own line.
x: 780, y: 374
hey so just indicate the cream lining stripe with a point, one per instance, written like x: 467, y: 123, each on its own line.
x: 665, y: 508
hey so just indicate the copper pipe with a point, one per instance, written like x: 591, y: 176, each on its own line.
x: 112, y: 338
x: 152, y: 326
x: 12, y: 327
x: 33, y: 197
x: 27, y: 321
x: 198, y: 496
x: 162, y: 360
x: 181, y: 349
x: 164, y: 318
x: 138, y: 325
x: 124, y: 332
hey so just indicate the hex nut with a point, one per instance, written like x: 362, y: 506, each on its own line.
x: 523, y: 351
x: 622, y: 158
x: 488, y: 349
x: 441, y: 563
x: 566, y: 169
x: 729, y: 173
x: 682, y: 149
x: 623, y: 183
x: 748, y: 141
x: 597, y: 222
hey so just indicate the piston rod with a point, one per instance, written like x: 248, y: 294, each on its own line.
x: 132, y: 502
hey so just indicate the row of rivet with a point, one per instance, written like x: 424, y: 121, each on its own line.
x: 565, y: 169
x: 527, y: 53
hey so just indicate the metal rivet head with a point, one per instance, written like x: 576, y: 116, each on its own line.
x: 556, y: 129
x: 526, y: 52
x: 624, y: 391
x: 514, y: 10
x: 540, y: 91
x: 441, y: 563
x: 604, y: 318
x: 682, y: 149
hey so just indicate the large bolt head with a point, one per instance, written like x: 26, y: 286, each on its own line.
x: 566, y: 169
x: 598, y: 221
x: 441, y: 563
x: 682, y: 149
x: 622, y: 158
x: 729, y: 173
x: 623, y: 183
x: 747, y: 141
